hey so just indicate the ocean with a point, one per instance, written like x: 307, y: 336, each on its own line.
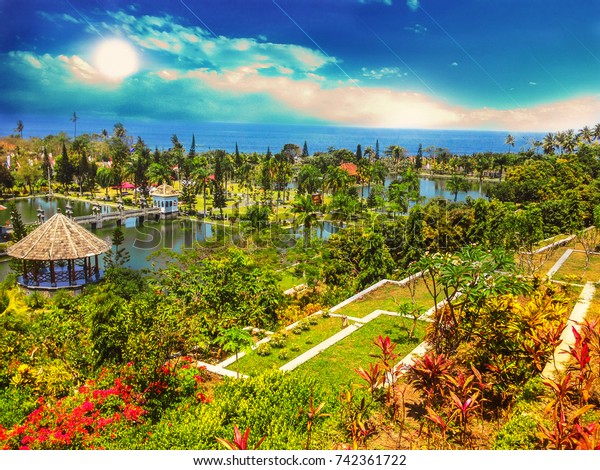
x: 258, y: 137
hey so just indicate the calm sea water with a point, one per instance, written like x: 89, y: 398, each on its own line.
x: 258, y: 137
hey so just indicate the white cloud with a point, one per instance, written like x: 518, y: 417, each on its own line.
x: 533, y: 83
x: 417, y: 28
x: 454, y: 64
x: 413, y: 4
x: 382, y: 107
x: 378, y: 74
x: 201, y: 48
x: 385, y: 2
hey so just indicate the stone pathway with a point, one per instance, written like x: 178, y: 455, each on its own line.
x: 553, y: 270
x: 560, y: 359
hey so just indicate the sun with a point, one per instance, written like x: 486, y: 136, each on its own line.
x: 116, y: 59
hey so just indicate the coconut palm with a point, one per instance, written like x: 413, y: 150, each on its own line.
x: 309, y: 179
x: 549, y: 143
x: 585, y: 134
x: 456, y: 184
x: 19, y: 128
x: 510, y: 141
x: 306, y: 215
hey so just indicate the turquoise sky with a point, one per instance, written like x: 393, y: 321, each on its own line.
x: 469, y: 64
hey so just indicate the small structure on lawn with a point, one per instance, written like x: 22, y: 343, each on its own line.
x: 59, y: 254
x: 167, y: 199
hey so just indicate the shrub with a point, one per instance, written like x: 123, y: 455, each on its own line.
x: 313, y: 320
x: 311, y: 308
x: 263, y: 349
x: 268, y: 404
x: 297, y: 330
x: 520, y: 433
x: 35, y: 300
x: 326, y: 313
x: 283, y: 355
x: 277, y: 341
x: 304, y: 325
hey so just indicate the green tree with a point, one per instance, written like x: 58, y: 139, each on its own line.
x: 119, y: 256
x: 233, y: 340
x: 419, y: 158
x: 64, y: 168
x: 457, y: 184
x: 219, y: 200
x: 19, y: 230
x: 305, y: 212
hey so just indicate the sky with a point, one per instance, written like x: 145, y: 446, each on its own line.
x: 516, y: 65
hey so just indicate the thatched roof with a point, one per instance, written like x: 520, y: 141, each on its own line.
x: 165, y: 190
x: 60, y: 238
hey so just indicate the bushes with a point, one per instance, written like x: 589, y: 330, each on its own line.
x: 268, y: 404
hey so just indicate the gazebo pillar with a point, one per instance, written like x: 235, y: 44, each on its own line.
x: 71, y: 269
x: 85, y: 270
x: 52, y: 274
x: 96, y: 270
x: 36, y: 279
x: 25, y: 277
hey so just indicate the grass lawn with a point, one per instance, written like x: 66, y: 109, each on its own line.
x: 387, y: 297
x: 289, y: 280
x: 336, y: 365
x: 574, y: 269
x: 252, y: 363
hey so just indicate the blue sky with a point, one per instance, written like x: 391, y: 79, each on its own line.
x: 471, y: 64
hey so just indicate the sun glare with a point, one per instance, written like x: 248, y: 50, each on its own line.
x: 116, y: 59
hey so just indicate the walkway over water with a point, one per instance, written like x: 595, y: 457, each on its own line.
x: 96, y: 220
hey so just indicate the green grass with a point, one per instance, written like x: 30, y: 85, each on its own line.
x: 574, y: 269
x: 252, y: 363
x: 336, y: 365
x: 289, y: 280
x: 387, y: 297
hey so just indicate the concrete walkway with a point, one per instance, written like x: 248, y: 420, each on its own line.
x: 559, y: 263
x: 560, y: 359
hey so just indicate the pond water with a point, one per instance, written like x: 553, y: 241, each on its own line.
x: 143, y: 240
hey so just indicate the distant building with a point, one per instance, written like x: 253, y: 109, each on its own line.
x: 167, y: 199
x: 349, y: 168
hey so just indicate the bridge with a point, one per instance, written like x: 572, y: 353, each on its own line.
x: 98, y: 219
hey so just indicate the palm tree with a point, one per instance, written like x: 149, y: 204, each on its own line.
x: 309, y: 179
x: 74, y: 119
x: 457, y: 183
x: 569, y: 141
x: 19, y: 128
x: 201, y: 175
x: 336, y: 180
x: 510, y: 141
x: 549, y: 143
x: 306, y: 215
x: 596, y: 131
x: 585, y: 134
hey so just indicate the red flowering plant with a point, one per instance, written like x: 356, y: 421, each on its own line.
x: 102, y: 408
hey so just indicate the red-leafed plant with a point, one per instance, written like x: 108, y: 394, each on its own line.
x: 240, y: 441
x: 431, y: 375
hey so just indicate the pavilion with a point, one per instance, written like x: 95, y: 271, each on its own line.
x: 59, y: 254
x: 167, y: 199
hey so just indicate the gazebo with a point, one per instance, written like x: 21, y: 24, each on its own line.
x: 58, y: 254
x: 167, y: 199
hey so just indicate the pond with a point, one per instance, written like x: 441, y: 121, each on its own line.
x: 148, y: 238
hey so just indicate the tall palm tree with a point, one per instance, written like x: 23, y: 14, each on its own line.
x: 596, y: 132
x: 585, y: 134
x: 336, y: 180
x: 19, y: 128
x: 74, y: 119
x: 510, y: 141
x: 306, y: 215
x: 309, y: 179
x: 549, y: 143
x: 456, y: 184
